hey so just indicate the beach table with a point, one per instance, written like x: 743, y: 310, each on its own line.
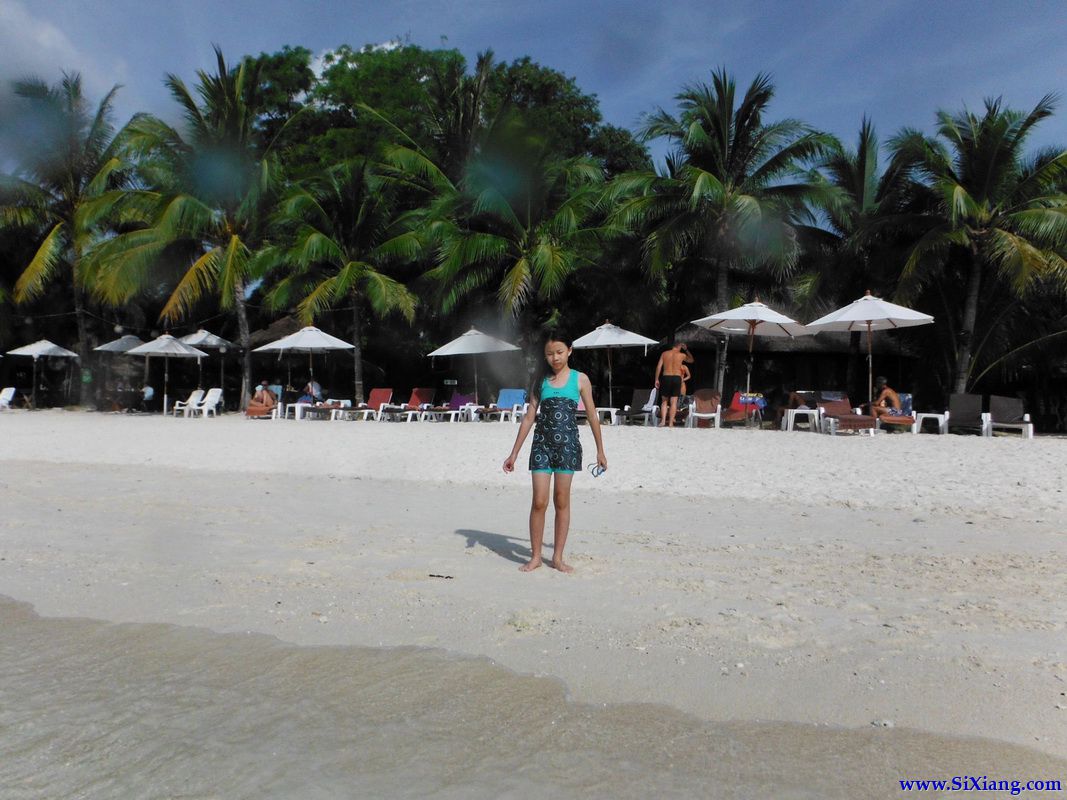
x: 811, y: 414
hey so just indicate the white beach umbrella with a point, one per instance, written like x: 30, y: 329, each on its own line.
x: 166, y: 347
x: 870, y: 314
x: 472, y: 343
x: 611, y: 337
x: 755, y: 319
x: 308, y: 340
x: 121, y: 345
x: 209, y: 341
x: 40, y: 349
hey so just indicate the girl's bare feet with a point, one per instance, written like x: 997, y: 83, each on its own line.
x: 530, y: 565
x: 561, y: 566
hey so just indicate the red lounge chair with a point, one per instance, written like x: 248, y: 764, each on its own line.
x: 740, y: 412
x: 378, y: 399
x: 420, y: 400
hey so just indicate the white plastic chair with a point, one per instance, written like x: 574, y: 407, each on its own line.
x: 702, y: 399
x: 6, y: 396
x: 185, y: 405
x: 209, y: 405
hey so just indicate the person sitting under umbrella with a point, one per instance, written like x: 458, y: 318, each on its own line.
x: 262, y: 403
x: 312, y: 392
x: 887, y: 401
x: 148, y: 394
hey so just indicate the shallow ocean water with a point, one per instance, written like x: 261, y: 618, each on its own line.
x: 91, y: 709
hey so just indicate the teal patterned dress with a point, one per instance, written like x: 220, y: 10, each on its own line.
x: 556, y: 447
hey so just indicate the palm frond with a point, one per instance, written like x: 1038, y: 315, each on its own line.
x: 43, y: 266
x: 201, y: 278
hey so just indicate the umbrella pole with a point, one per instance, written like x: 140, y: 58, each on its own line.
x: 870, y: 372
x: 311, y: 366
x: 476, y: 379
x: 199, y: 373
x: 611, y: 404
x: 166, y: 381
x: 33, y: 391
x: 222, y: 370
x: 748, y: 374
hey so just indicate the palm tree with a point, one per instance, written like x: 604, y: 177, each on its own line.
x: 342, y: 225
x: 849, y: 255
x: 998, y: 223
x: 725, y: 199
x: 206, y: 201
x: 71, y: 160
x: 456, y: 112
x: 520, y: 222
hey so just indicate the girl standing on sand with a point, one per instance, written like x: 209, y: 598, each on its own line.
x: 556, y: 452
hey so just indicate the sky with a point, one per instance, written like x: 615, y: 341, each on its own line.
x: 897, y: 61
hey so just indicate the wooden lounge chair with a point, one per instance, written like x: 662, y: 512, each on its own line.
x: 839, y: 415
x: 642, y: 407
x: 1007, y: 413
x: 411, y: 411
x: 965, y: 411
x: 706, y: 410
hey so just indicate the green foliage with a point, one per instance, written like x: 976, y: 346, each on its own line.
x: 729, y: 195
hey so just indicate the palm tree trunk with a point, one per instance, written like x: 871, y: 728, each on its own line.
x: 245, y: 338
x: 83, y: 345
x: 722, y: 302
x: 357, y: 351
x: 852, y: 366
x: 722, y: 287
x: 970, y: 314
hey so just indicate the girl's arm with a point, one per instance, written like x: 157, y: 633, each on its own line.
x: 528, y: 420
x: 585, y: 389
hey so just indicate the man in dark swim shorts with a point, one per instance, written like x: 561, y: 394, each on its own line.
x: 669, y: 380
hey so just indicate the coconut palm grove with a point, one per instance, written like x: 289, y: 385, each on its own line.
x: 398, y: 195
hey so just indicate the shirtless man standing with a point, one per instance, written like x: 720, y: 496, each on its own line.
x: 669, y: 380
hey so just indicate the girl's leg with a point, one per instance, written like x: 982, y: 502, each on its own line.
x: 562, y: 500
x: 537, y: 519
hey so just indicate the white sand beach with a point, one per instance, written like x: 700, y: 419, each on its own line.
x: 917, y: 581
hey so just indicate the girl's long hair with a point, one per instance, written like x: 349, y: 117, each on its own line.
x: 545, y: 371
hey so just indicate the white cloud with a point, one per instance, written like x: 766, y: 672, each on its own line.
x: 31, y: 45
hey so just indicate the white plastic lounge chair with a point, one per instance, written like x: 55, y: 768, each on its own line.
x: 412, y: 411
x: 372, y: 409
x: 6, y: 397
x: 706, y: 405
x: 209, y: 405
x: 510, y: 406
x: 184, y: 406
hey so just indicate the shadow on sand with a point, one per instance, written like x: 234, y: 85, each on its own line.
x: 504, y: 546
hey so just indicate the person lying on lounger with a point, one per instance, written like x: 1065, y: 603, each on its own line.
x: 262, y: 402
